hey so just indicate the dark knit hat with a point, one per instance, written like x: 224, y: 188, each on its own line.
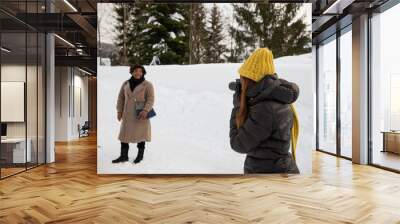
x: 133, y: 67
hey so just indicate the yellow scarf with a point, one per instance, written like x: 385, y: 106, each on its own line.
x: 295, y: 131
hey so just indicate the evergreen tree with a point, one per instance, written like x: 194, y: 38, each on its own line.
x: 270, y: 25
x: 197, y: 33
x: 215, y: 49
x: 243, y: 43
x: 152, y: 30
x: 236, y: 45
x: 167, y: 33
x: 131, y: 38
x: 121, y: 30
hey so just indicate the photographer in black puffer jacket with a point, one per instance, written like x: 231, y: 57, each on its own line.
x: 263, y: 122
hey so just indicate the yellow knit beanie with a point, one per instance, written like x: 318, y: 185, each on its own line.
x: 260, y: 64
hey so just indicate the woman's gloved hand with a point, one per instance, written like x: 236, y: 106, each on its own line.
x: 235, y: 86
x: 119, y: 116
x: 236, y: 100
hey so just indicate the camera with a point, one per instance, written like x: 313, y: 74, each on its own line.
x: 235, y: 85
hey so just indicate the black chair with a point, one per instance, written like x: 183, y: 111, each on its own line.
x: 84, y: 130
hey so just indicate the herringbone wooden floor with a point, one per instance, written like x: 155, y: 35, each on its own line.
x: 70, y: 191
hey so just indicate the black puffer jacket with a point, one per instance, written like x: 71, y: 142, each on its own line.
x: 265, y: 135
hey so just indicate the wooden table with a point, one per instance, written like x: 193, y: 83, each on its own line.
x: 391, y: 141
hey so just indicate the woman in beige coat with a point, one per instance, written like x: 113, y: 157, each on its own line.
x: 136, y: 93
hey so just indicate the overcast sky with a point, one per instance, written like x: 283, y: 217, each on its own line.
x: 106, y: 16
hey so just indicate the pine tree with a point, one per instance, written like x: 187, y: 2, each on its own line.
x: 236, y: 46
x: 131, y: 38
x: 167, y: 33
x: 270, y: 25
x: 120, y: 27
x: 216, y: 48
x: 152, y: 30
x: 197, y: 33
x: 241, y: 33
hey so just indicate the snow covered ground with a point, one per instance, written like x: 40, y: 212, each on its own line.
x: 190, y: 134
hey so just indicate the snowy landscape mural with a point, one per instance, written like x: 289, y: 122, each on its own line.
x: 190, y: 134
x: 191, y: 131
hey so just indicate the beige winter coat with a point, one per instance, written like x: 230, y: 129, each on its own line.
x: 132, y: 129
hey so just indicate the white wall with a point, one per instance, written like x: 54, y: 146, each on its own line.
x: 70, y: 83
x: 79, y: 117
x: 61, y: 103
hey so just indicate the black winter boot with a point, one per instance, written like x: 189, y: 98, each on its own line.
x: 124, y: 154
x: 139, y: 157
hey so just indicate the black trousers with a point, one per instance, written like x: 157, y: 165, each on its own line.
x: 281, y: 165
x: 140, y: 145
